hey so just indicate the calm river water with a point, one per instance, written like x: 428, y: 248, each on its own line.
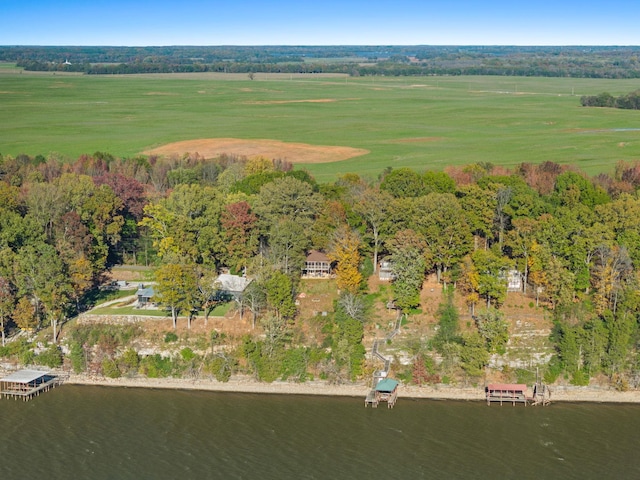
x: 76, y: 432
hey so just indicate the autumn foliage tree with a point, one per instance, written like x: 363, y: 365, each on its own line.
x: 346, y: 254
x: 24, y: 314
x: 239, y: 233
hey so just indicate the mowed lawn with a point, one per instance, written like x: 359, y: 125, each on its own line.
x: 419, y: 122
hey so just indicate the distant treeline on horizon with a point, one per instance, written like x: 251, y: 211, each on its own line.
x: 547, y: 61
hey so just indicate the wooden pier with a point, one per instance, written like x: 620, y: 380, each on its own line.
x: 26, y: 384
x: 517, y: 393
x: 541, y: 395
x: 506, y: 393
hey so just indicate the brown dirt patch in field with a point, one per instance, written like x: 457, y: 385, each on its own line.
x: 293, y: 152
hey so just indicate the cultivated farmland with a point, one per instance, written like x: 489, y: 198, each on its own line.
x: 418, y: 122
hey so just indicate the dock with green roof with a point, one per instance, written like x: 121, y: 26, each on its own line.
x: 386, y: 390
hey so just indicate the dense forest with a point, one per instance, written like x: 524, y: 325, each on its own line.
x: 574, y: 240
x: 567, y: 61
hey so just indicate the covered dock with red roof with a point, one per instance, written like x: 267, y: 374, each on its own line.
x: 507, y: 392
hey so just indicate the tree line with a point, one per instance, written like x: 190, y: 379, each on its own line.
x: 630, y: 101
x: 565, y: 61
x: 574, y: 240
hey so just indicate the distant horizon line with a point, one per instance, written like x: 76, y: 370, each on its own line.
x: 576, y: 45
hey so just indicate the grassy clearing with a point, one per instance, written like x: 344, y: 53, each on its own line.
x: 419, y: 122
x: 132, y: 273
x: 99, y: 296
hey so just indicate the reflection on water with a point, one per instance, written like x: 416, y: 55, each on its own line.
x: 117, y: 433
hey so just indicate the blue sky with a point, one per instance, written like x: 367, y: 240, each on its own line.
x: 329, y: 22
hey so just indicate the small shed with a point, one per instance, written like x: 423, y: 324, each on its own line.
x: 145, y: 295
x: 317, y: 265
x: 27, y: 383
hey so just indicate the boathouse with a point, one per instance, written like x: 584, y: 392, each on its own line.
x: 386, y: 390
x: 26, y: 384
x: 507, y: 392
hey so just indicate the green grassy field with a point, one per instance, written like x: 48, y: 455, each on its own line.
x: 419, y: 122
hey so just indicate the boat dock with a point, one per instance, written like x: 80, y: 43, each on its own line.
x: 506, y: 393
x: 26, y: 384
x: 517, y: 393
x: 385, y: 391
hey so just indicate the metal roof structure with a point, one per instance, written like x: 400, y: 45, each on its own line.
x: 386, y: 385
x: 507, y: 387
x: 147, y: 292
x: 24, y: 376
x: 233, y: 283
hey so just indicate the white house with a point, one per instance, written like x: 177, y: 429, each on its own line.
x: 514, y: 281
x: 384, y: 271
x: 317, y: 265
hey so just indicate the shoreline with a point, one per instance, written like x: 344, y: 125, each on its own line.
x: 438, y: 392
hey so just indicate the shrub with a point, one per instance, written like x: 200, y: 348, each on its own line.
x: 16, y: 349
x: 187, y: 354
x: 107, y: 335
x: 554, y: 369
x: 221, y: 367
x: 110, y: 368
x: 51, y: 357
x: 27, y: 357
x: 77, y: 357
x: 170, y: 337
x: 620, y: 383
x: 130, y: 360
x: 155, y: 366
x: 580, y: 378
x: 424, y: 371
x: 295, y: 364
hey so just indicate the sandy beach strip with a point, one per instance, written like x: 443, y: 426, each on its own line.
x: 438, y: 392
